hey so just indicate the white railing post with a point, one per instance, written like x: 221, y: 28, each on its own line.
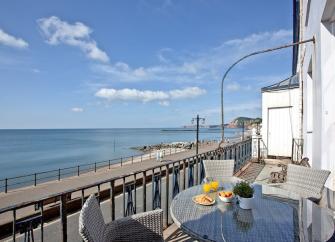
x: 255, y: 144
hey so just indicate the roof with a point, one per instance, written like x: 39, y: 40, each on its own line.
x: 289, y: 83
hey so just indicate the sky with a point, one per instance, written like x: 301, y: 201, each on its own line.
x: 145, y: 63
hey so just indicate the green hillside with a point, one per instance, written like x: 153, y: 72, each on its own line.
x: 238, y: 122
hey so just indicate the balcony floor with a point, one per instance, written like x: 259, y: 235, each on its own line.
x: 252, y: 172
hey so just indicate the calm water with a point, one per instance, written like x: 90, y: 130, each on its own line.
x: 28, y: 151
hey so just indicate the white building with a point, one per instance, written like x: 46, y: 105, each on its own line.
x: 302, y: 108
x: 280, y: 117
x: 315, y: 65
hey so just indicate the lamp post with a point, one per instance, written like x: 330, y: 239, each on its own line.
x: 245, y: 57
x: 197, y: 119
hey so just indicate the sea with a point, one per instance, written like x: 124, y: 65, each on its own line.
x: 37, y: 150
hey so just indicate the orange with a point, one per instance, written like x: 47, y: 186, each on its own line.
x: 214, y: 185
x: 206, y: 187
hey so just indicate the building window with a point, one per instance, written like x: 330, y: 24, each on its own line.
x: 307, y: 12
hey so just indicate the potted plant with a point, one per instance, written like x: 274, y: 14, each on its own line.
x: 245, y: 194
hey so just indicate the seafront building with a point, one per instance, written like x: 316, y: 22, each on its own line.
x: 315, y: 65
x: 298, y: 113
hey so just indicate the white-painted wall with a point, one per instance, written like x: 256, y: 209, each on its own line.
x: 316, y: 65
x: 289, y: 99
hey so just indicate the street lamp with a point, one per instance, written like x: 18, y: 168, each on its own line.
x: 245, y: 57
x: 197, y: 119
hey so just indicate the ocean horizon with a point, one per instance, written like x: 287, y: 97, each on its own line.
x: 26, y: 151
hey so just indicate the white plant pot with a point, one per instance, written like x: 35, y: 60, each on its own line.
x: 246, y: 203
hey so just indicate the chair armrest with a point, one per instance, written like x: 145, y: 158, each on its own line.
x: 147, y: 226
x: 275, y: 185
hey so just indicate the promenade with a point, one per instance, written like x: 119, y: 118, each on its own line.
x: 44, y: 190
x: 95, y: 182
x: 52, y: 228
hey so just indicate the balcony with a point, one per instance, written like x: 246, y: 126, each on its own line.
x: 53, y: 215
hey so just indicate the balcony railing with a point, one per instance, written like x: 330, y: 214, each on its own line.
x: 122, y: 192
x: 36, y: 178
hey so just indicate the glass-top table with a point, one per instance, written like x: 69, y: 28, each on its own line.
x: 271, y: 218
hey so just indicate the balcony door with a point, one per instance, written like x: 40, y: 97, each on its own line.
x: 279, y: 131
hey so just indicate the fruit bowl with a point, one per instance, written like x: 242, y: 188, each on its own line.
x: 226, y: 197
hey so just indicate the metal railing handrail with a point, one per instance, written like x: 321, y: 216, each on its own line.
x: 2, y: 210
x: 188, y: 168
x: 108, y: 162
x: 69, y: 167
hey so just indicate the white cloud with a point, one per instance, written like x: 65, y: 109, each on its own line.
x: 131, y: 95
x: 156, y: 6
x: 164, y: 103
x: 252, y: 39
x: 163, y: 97
x: 264, y: 80
x: 35, y: 70
x: 77, y: 110
x: 243, y: 107
x: 78, y: 34
x: 195, y: 67
x: 234, y: 86
x: 161, y: 54
x: 12, y: 41
x: 188, y: 92
x: 252, y: 108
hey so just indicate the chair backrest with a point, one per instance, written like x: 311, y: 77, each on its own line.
x: 309, y: 179
x: 91, y: 221
x: 219, y: 169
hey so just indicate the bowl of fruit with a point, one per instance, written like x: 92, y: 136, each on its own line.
x: 226, y: 196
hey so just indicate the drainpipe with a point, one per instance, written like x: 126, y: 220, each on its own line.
x: 301, y: 53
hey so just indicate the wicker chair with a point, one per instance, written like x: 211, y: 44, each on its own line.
x: 219, y: 169
x: 304, y: 181
x: 146, y: 226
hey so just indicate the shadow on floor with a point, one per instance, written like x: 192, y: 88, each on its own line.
x: 174, y: 234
